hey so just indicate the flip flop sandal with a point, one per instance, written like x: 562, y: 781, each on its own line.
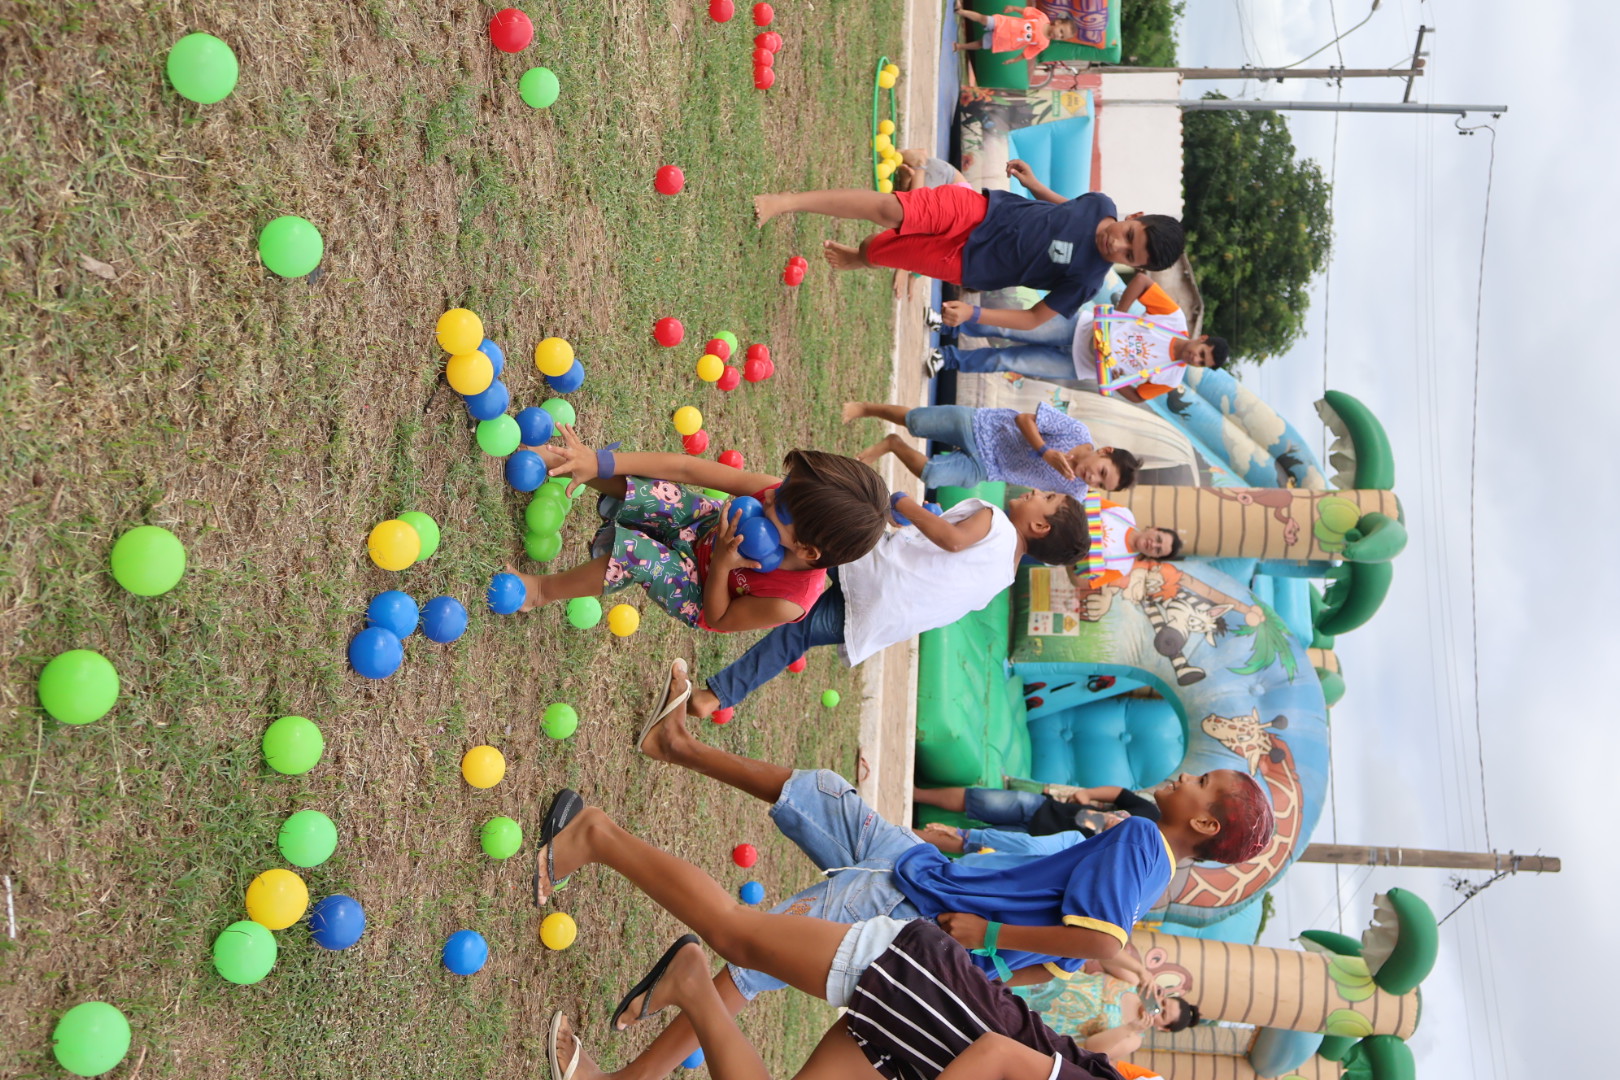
x: 646, y: 985
x: 665, y: 704
x: 565, y: 807
x: 557, y: 1072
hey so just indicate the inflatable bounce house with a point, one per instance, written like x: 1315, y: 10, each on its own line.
x: 1096, y: 29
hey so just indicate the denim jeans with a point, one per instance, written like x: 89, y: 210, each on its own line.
x: 1036, y: 361
x: 994, y: 806
x: 771, y: 654
x: 1057, y: 331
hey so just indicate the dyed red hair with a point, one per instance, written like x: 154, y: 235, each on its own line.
x: 1247, y: 824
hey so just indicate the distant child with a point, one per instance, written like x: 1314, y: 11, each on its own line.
x: 926, y: 575
x: 678, y: 546
x: 1027, y: 32
x: 994, y: 241
x: 1045, y: 449
x: 1122, y: 544
x: 1084, y: 812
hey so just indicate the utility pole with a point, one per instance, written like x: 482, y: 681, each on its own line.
x: 1270, y: 74
x: 1417, y: 59
x: 1353, y: 855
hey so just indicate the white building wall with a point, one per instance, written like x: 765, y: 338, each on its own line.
x: 1139, y: 141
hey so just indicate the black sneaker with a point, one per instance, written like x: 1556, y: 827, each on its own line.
x: 933, y: 363
x: 932, y: 319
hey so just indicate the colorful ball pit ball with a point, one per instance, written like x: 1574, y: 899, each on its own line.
x: 535, y: 425
x: 558, y: 931
x: 244, y: 952
x: 483, y: 767
x: 393, y: 545
x: 90, y: 1039
x: 544, y: 514
x: 729, y: 379
x: 337, y: 922
x: 525, y: 471
x: 623, y: 620
x: 669, y: 332
x: 725, y: 715
x: 693, y: 1060
x: 465, y: 952
x: 498, y: 437
x: 568, y: 381
x: 561, y: 411
x: 721, y: 10
x: 277, y: 898
x: 763, y: 14
x: 395, y: 612
x: 799, y: 665
x: 686, y: 420
x: 752, y: 892
x: 491, y: 403
x: 542, y: 547
x: 375, y: 653
x: 510, y: 30
x: 444, y: 619
x: 307, y: 838
x: 764, y: 58
x: 148, y: 560
x: 719, y: 346
x: 731, y: 458
x: 669, y: 180
x: 584, y: 612
x: 495, y: 354
x: 538, y: 87
x: 885, y: 81
x: 459, y: 331
x: 469, y: 373
x: 291, y: 246
x: 79, y: 686
x: 764, y: 78
x: 695, y: 443
x: 745, y: 855
x: 830, y: 699
x: 711, y: 366
x: 202, y: 68
x: 292, y: 745
x: 728, y: 337
x: 756, y: 370
x: 560, y: 720
x: 501, y: 838
x: 506, y: 593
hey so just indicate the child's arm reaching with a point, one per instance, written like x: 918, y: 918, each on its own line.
x: 582, y: 464
x: 1020, y: 171
x: 728, y: 614
x: 1037, y: 443
x: 957, y: 312
x: 949, y: 535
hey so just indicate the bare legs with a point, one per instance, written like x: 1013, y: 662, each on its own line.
x: 670, y: 742
x: 945, y: 798
x: 871, y: 410
x: 913, y: 459
x: 583, y: 580
x: 851, y: 204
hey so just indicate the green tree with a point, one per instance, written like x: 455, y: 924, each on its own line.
x: 1259, y: 227
x: 1147, y: 32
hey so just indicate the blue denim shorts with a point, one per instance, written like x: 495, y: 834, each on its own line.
x: 952, y: 425
x: 994, y: 806
x: 863, y: 944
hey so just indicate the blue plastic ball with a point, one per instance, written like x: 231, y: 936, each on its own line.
x: 525, y: 471
x: 443, y: 619
x: 491, y: 403
x: 771, y: 559
x: 752, y: 892
x: 759, y: 537
x: 337, y: 922
x: 496, y: 357
x: 376, y: 653
x: 506, y: 593
x: 694, y: 1059
x: 395, y: 611
x: 744, y: 507
x: 568, y: 381
x: 465, y: 952
x: 536, y: 426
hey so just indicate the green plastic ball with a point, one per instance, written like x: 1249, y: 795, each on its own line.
x: 500, y: 436
x: 560, y: 410
x: 202, y: 68
x: 502, y: 837
x: 91, y: 1038
x: 562, y: 482
x: 426, y: 528
x: 538, y: 87
x: 729, y: 338
x: 584, y: 612
x: 293, y: 745
x: 148, y: 560
x: 290, y: 246
x: 78, y: 687
x: 716, y: 494
x: 542, y: 547
x: 545, y: 515
x: 244, y: 952
x: 830, y: 698
x: 560, y: 720
x: 307, y: 838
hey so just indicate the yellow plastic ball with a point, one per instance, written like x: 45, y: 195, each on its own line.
x: 459, y: 331
x: 885, y: 127
x: 886, y: 80
x: 885, y: 187
x: 554, y: 357
x: 393, y: 544
x: 710, y: 367
x: 687, y: 419
x: 277, y: 898
x: 483, y: 766
x: 469, y: 373
x: 885, y: 145
x: 557, y: 931
x: 623, y: 620
x: 892, y: 69
x: 885, y: 169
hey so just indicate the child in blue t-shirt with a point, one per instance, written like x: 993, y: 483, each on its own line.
x: 1046, y: 449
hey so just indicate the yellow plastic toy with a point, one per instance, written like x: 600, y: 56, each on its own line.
x: 277, y: 898
x: 459, y: 331
x: 469, y: 373
x: 483, y: 766
x: 393, y: 544
x: 554, y: 357
x: 623, y: 620
x: 885, y: 127
x: 557, y: 931
x: 687, y: 419
x: 885, y: 187
x: 710, y: 367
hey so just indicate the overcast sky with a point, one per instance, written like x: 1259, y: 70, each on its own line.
x: 1396, y: 328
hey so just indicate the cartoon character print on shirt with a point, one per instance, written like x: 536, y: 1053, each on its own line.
x: 667, y: 492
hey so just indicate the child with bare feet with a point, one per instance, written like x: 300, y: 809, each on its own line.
x: 1045, y: 449
x: 679, y: 546
x: 993, y: 241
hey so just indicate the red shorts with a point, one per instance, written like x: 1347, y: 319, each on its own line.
x: 932, y: 232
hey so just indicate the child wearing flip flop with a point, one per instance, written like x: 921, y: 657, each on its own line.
x: 679, y: 546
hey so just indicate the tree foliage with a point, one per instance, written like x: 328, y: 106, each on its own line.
x: 1259, y: 227
x: 1147, y: 32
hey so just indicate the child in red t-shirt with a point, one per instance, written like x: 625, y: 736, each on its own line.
x: 684, y: 551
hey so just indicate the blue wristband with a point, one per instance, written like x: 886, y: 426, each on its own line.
x: 894, y: 511
x: 606, y: 466
x: 976, y: 312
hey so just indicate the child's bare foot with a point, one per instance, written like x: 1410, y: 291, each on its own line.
x: 663, y: 741
x: 689, y: 967
x: 883, y: 446
x: 842, y: 256
x: 703, y: 703
x: 533, y: 593
x: 854, y: 410
x: 567, y: 1039
x: 957, y: 46
x: 766, y: 207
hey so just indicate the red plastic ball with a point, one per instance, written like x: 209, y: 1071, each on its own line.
x: 670, y: 180
x: 758, y: 351
x: 721, y: 10
x: 792, y: 278
x: 669, y: 332
x: 798, y: 665
x: 718, y: 347
x: 770, y: 368
x: 764, y: 58
x: 510, y: 30
x: 756, y: 370
x: 745, y: 855
x: 764, y: 78
x: 729, y: 379
x: 799, y: 261
x: 762, y: 40
x: 732, y: 458
x: 723, y: 716
x: 695, y: 443
x: 763, y: 14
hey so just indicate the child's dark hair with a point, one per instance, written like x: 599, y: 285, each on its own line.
x: 838, y: 504
x: 1247, y: 825
x: 1189, y: 1016
x: 1175, y: 543
x: 1068, y: 539
x: 1127, y: 463
x: 1219, y: 350
x: 1165, y: 240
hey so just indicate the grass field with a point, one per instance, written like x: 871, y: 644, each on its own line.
x: 271, y: 423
